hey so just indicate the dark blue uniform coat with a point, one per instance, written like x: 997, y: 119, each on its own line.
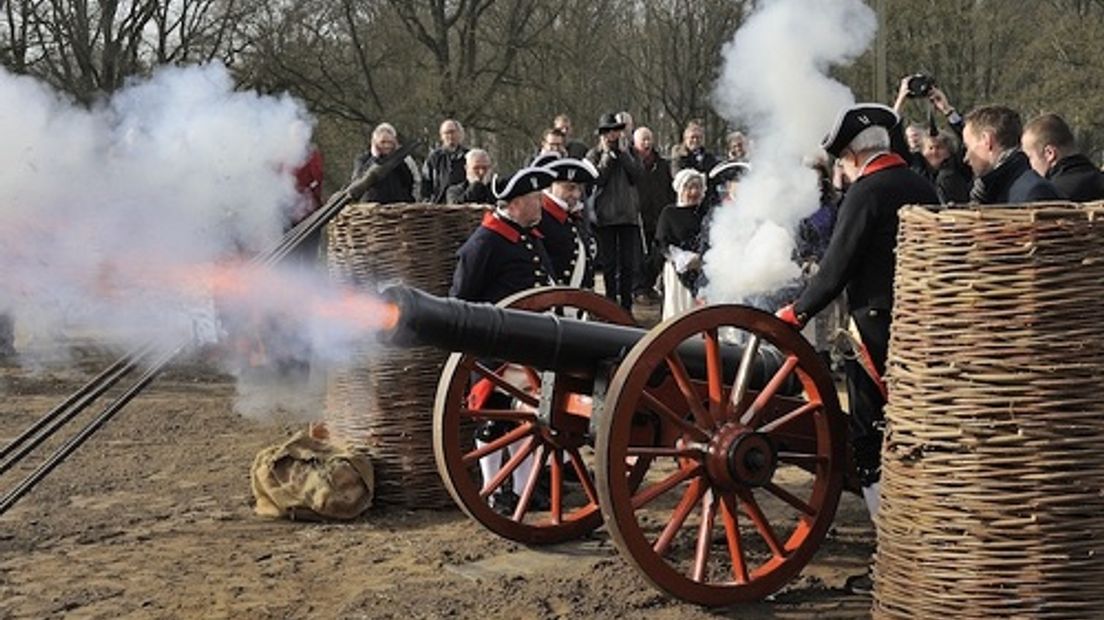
x: 499, y: 259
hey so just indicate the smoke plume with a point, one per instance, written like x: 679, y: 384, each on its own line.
x: 125, y: 220
x: 774, y: 82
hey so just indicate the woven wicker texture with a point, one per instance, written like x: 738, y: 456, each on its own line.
x: 993, y: 463
x: 382, y: 401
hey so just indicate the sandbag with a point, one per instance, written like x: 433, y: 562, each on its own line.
x: 310, y: 478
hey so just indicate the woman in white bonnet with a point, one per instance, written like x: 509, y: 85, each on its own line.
x: 678, y: 238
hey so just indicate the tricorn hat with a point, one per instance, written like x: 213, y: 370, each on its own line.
x: 544, y: 159
x: 728, y: 171
x: 853, y: 120
x: 522, y: 182
x: 573, y: 170
x: 609, y: 122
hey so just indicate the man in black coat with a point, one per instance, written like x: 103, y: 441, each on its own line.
x: 691, y: 153
x: 860, y: 258
x: 444, y: 166
x: 942, y: 169
x: 654, y: 189
x: 398, y: 184
x: 563, y: 223
x: 476, y: 188
x: 1002, y: 172
x: 1048, y: 143
x: 617, y: 210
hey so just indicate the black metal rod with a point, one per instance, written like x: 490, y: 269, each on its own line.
x: 63, y: 406
x: 89, y: 429
x: 61, y: 415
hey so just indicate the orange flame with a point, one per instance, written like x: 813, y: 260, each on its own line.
x: 253, y: 286
x: 363, y: 311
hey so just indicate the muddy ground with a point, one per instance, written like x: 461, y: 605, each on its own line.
x: 153, y: 519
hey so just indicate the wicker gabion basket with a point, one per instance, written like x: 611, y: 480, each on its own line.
x: 382, y: 400
x: 993, y: 462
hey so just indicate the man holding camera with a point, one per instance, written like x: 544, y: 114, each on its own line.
x: 936, y: 157
x: 617, y: 208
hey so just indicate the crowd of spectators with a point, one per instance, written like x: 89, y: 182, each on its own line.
x: 982, y: 157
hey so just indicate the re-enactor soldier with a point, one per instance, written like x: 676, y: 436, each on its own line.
x: 563, y: 223
x: 860, y: 258
x: 505, y: 255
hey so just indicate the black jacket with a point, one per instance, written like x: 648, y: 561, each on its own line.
x: 469, y: 193
x: 1013, y: 182
x: 397, y: 186
x: 441, y: 170
x: 950, y: 183
x: 655, y: 191
x: 499, y: 259
x: 682, y: 228
x: 860, y: 256
x: 1077, y: 178
x: 701, y: 160
x: 616, y: 202
x: 562, y: 233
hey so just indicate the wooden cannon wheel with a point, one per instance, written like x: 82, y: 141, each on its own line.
x: 737, y: 496
x: 552, y: 452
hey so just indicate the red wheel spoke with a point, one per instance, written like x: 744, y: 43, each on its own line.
x: 751, y: 416
x: 557, y: 486
x: 685, y: 453
x: 583, y: 474
x: 689, y: 392
x: 735, y: 542
x: 506, y: 386
x: 751, y: 508
x: 491, y: 485
x: 714, y: 370
x: 653, y: 403
x: 781, y: 421
x: 531, y: 484
x: 646, y: 496
x: 690, y: 498
x: 498, y: 444
x: 790, y: 498
x: 705, y: 538
x: 511, y: 415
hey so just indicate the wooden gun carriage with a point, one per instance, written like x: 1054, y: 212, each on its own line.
x: 712, y: 446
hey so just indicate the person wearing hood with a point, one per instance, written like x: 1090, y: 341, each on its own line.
x: 678, y: 238
x: 1002, y: 172
x: 1048, y: 143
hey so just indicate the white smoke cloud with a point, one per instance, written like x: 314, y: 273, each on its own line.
x: 97, y: 205
x: 774, y: 82
x: 120, y: 221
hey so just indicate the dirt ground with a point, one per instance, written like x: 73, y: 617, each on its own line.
x: 152, y: 518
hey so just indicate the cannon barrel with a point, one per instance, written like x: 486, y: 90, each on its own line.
x: 542, y: 340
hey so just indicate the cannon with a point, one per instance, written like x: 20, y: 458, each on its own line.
x: 713, y: 446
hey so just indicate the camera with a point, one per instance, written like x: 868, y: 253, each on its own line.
x: 920, y: 85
